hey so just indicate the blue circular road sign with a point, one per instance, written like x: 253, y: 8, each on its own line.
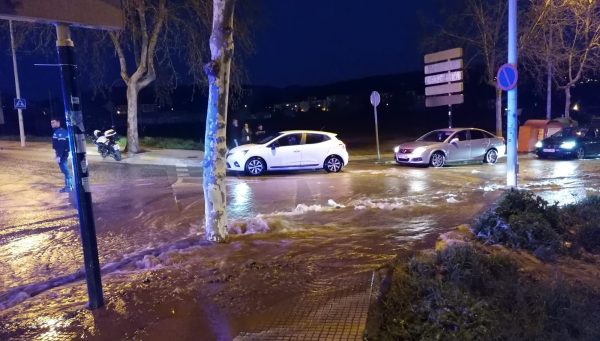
x: 507, y: 77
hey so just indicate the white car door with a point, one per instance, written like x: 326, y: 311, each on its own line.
x: 285, y: 152
x: 314, y: 150
x: 459, y: 148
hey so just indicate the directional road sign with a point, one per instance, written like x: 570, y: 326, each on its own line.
x: 436, y: 101
x: 444, y: 89
x: 444, y: 55
x: 507, y: 77
x: 447, y: 77
x: 450, y: 65
x: 20, y: 103
x: 104, y: 14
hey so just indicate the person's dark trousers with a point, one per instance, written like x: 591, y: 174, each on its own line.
x: 64, y: 168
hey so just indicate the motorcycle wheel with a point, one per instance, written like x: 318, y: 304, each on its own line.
x: 117, y: 155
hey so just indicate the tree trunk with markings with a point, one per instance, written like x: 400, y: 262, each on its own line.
x: 215, y: 148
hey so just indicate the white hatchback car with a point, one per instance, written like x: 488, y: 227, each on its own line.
x: 293, y: 149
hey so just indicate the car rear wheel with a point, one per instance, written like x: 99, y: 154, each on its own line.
x: 491, y: 156
x: 333, y: 164
x: 438, y: 159
x: 255, y: 166
x: 580, y: 153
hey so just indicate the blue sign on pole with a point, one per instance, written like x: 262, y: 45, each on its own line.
x: 507, y: 77
x: 20, y: 103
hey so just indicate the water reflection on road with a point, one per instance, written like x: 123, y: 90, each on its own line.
x: 360, y: 217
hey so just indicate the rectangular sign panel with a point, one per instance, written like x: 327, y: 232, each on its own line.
x: 444, y: 66
x: 103, y: 14
x: 443, y: 89
x: 447, y: 77
x: 443, y: 55
x: 437, y: 101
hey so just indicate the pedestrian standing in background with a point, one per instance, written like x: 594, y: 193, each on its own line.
x: 234, y: 134
x: 260, y: 133
x: 246, y: 134
x: 60, y: 144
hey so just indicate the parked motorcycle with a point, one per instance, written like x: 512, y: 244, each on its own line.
x: 107, y: 144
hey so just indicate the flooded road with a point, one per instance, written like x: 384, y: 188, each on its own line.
x: 296, y: 237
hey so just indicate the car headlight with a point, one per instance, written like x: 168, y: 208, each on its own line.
x: 568, y: 145
x: 538, y: 144
x: 419, y: 150
x: 396, y: 149
x: 242, y: 152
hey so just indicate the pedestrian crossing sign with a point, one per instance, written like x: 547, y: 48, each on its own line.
x: 20, y: 103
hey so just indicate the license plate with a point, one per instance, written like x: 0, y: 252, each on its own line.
x: 549, y: 150
x: 116, y: 147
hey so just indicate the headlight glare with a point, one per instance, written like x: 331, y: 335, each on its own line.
x: 538, y: 144
x: 396, y: 149
x: 568, y: 145
x: 419, y: 150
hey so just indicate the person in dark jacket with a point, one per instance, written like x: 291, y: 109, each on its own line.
x: 233, y: 134
x: 246, y: 134
x: 60, y: 144
x: 260, y: 133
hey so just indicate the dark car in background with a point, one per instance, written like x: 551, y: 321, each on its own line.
x: 579, y: 143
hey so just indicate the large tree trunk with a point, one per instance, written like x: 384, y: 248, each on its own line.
x: 133, y: 143
x: 498, y: 112
x: 215, y: 148
x: 567, y: 101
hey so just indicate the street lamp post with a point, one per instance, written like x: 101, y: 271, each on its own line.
x: 511, y: 127
x: 17, y: 85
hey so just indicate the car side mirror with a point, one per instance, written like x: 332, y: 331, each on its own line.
x: 454, y: 140
x: 273, y: 146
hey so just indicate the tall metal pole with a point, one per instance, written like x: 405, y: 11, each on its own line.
x: 377, y: 133
x: 512, y: 160
x: 74, y: 123
x: 549, y: 83
x: 17, y: 85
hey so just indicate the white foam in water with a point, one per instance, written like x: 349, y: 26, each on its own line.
x: 148, y: 262
x: 491, y: 188
x: 452, y: 200
x: 332, y: 203
x: 14, y: 299
x: 386, y: 205
x: 250, y: 226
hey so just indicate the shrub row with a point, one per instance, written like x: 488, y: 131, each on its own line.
x: 523, y: 220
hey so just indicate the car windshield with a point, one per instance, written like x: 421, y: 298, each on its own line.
x: 268, y: 138
x: 570, y: 132
x: 436, y: 136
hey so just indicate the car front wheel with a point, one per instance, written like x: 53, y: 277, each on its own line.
x: 491, y: 156
x: 255, y: 166
x: 437, y: 160
x: 580, y: 153
x: 333, y: 164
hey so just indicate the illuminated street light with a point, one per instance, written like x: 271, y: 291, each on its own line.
x: 576, y: 107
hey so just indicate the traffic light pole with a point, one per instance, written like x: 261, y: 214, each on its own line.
x: 81, y: 185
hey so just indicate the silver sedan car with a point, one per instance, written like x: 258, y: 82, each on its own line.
x: 443, y: 146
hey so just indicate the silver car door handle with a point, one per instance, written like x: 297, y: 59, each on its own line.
x: 296, y: 151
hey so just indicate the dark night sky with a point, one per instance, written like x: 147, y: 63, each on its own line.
x: 298, y: 42
x: 309, y: 42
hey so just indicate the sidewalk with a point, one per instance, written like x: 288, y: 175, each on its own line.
x: 163, y: 157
